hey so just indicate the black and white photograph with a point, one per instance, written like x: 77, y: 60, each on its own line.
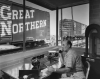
x: 49, y: 39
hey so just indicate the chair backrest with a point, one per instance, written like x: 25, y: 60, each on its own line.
x: 86, y: 65
x: 86, y: 68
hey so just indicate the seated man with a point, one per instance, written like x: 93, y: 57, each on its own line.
x: 73, y: 65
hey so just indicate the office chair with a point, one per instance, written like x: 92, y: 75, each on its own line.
x: 86, y: 66
x: 87, y: 69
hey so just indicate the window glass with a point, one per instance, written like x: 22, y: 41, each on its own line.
x: 97, y: 46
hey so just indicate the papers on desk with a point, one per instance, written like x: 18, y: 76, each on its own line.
x: 45, y: 71
x: 58, y: 65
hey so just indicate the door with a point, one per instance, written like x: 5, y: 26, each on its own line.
x: 95, y: 59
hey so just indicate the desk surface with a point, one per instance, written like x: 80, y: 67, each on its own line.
x: 12, y: 59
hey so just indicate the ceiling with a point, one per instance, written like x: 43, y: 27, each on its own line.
x: 54, y: 4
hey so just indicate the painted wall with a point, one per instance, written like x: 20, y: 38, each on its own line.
x: 94, y: 12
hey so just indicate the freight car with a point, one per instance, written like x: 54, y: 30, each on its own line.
x: 37, y: 24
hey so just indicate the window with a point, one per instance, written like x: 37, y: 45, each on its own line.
x: 97, y: 46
